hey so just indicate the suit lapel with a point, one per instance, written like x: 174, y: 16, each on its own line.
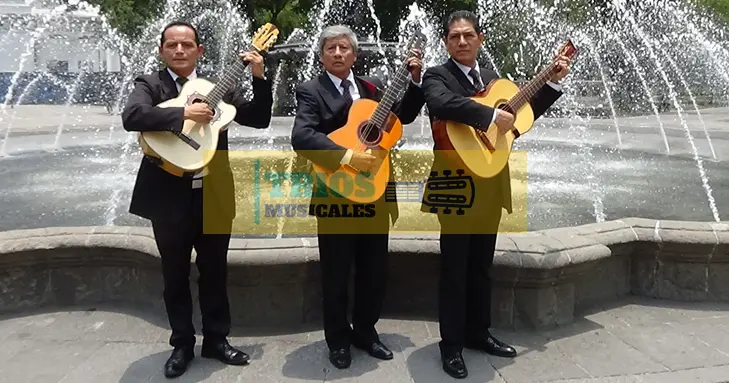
x: 330, y: 94
x: 460, y: 76
x: 169, y: 88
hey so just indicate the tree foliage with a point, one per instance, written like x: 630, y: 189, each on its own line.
x: 285, y: 14
x: 720, y: 8
x: 128, y: 15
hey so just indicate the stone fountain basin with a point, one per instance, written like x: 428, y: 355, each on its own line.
x: 541, y: 279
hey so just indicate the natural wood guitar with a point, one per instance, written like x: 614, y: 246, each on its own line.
x: 371, y: 127
x: 486, y: 154
x: 193, y: 148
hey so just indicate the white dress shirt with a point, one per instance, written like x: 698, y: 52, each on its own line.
x: 174, y: 75
x: 466, y: 70
x: 353, y: 90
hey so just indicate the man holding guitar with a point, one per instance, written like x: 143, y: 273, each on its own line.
x: 174, y: 202
x: 323, y: 107
x: 467, y: 242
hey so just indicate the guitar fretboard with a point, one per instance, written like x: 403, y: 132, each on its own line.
x: 528, y: 91
x: 388, y: 99
x: 399, y: 82
x: 228, y: 80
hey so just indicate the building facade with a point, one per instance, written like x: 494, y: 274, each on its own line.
x: 40, y: 37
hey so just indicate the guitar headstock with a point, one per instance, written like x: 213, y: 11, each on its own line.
x: 264, y: 38
x: 568, y: 50
x: 417, y: 41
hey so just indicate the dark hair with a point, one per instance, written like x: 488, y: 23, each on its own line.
x: 180, y: 24
x: 461, y: 15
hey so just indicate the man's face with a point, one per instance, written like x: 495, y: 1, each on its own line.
x: 338, y: 56
x: 463, y: 42
x: 179, y: 50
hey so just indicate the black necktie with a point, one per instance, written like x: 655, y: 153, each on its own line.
x: 181, y: 81
x: 476, y: 79
x: 347, y: 96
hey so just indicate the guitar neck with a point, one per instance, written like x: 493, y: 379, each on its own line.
x: 530, y: 89
x: 399, y: 82
x: 228, y: 80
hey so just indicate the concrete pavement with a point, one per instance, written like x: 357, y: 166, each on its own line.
x: 635, y: 340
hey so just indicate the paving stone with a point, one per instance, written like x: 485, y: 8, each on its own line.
x: 641, y: 341
x: 673, y: 349
x: 48, y: 361
x: 120, y: 362
x: 538, y: 359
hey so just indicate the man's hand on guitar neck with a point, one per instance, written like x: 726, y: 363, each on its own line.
x: 255, y: 61
x: 504, y: 120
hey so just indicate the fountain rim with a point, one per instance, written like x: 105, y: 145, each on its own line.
x: 558, y: 262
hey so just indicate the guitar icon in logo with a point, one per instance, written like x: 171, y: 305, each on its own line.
x: 449, y: 192
x: 444, y: 192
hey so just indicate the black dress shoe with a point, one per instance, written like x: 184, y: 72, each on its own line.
x: 492, y: 346
x: 224, y: 352
x: 454, y: 365
x: 375, y: 349
x: 177, y: 364
x: 340, y: 358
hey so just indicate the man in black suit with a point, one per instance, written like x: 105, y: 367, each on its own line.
x: 323, y: 104
x: 468, y: 241
x: 173, y: 200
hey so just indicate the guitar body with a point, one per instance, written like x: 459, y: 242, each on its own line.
x: 176, y: 150
x: 348, y: 182
x: 485, y: 155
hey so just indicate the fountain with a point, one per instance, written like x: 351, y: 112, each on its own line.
x: 645, y: 103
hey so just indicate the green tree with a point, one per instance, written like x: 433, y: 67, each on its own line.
x: 285, y: 14
x: 719, y: 8
x: 440, y: 9
x: 128, y: 15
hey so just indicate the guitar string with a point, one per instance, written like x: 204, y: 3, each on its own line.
x: 381, y: 113
x: 388, y: 98
x: 523, y: 96
x: 228, y: 80
x: 528, y: 91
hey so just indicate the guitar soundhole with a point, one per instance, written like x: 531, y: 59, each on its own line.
x: 197, y: 100
x: 507, y: 108
x: 369, y: 134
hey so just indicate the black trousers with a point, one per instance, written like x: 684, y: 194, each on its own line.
x: 337, y: 253
x: 465, y: 285
x: 175, y: 242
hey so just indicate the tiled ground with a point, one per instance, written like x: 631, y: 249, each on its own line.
x: 637, y: 340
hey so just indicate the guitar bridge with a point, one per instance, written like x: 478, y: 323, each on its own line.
x: 188, y: 140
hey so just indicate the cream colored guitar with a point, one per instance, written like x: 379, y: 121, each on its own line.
x: 193, y: 148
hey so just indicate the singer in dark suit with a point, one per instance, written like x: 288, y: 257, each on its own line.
x: 323, y: 105
x: 174, y: 202
x: 467, y: 242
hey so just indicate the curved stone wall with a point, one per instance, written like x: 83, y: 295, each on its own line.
x: 540, y: 278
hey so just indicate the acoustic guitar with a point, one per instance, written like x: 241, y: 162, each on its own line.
x: 486, y: 153
x: 194, y: 147
x: 372, y: 128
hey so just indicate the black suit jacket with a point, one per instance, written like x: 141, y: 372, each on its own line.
x: 160, y: 196
x: 447, y: 91
x: 321, y: 109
